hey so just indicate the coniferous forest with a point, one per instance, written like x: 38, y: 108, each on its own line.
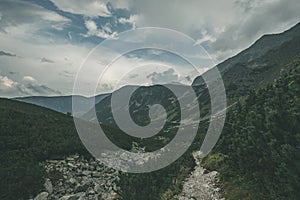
x: 258, y: 154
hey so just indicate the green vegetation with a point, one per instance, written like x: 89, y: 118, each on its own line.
x: 258, y: 155
x: 28, y: 135
x: 31, y: 134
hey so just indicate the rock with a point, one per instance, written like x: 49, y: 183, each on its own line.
x: 82, y: 179
x: 80, y: 195
x: 98, y: 168
x: 42, y: 196
x: 115, y: 188
x: 97, y: 174
x: 70, y: 159
x: 82, y: 187
x: 48, y: 186
x: 99, y: 197
x: 86, y: 173
x: 72, y: 181
x: 201, y: 184
x: 71, y: 165
x: 98, y: 188
x: 69, y: 197
x: 91, y: 192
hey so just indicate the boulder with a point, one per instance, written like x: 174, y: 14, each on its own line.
x: 86, y: 173
x: 72, y: 181
x: 42, y: 196
x: 48, y: 186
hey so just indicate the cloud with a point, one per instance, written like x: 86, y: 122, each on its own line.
x: 132, y: 20
x: 264, y: 17
x: 133, y: 75
x: 61, y: 44
x: 91, y: 27
x: 67, y: 74
x: 88, y: 8
x: 14, y: 13
x: 105, y: 87
x: 29, y: 79
x: 13, y: 73
x: 39, y: 49
x: 223, y: 27
x: 3, y: 53
x: 5, y: 83
x: 30, y: 87
x: 168, y: 76
x: 103, y: 32
x: 188, y: 78
x: 45, y: 60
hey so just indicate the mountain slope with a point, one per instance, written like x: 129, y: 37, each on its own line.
x: 252, y: 69
x: 260, y: 64
x: 28, y: 135
x: 258, y: 155
x: 61, y: 104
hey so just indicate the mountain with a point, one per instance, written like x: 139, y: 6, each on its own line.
x: 253, y: 68
x: 256, y: 68
x: 61, y: 104
x: 257, y: 155
x: 260, y: 64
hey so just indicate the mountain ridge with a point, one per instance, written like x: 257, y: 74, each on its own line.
x: 258, y: 65
x: 61, y: 104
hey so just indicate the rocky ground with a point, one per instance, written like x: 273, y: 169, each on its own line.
x: 201, y: 184
x: 76, y: 178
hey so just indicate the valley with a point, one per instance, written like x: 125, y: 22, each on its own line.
x: 257, y: 156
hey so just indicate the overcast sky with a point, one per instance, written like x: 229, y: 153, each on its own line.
x: 43, y: 42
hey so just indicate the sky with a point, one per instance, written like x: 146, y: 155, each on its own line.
x: 44, y: 42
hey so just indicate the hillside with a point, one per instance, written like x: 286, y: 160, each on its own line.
x: 61, y: 104
x: 260, y: 64
x: 253, y: 69
x: 31, y: 134
x: 28, y: 135
x: 258, y: 153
